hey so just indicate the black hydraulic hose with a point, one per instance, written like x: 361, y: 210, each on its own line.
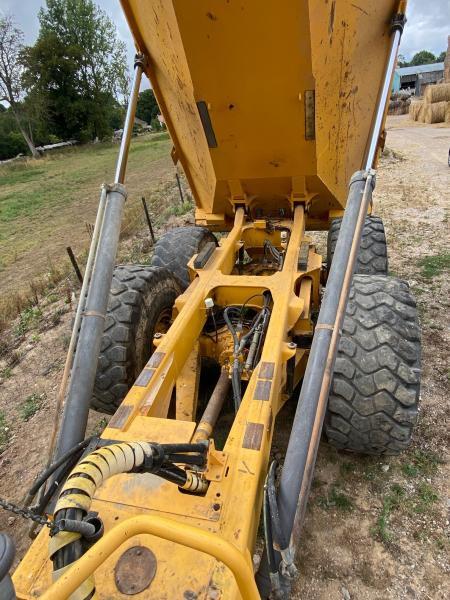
x: 273, y: 568
x: 57, y: 480
x: 280, y: 539
x: 42, y: 478
x: 175, y: 448
x: 173, y: 474
x: 239, y: 345
x: 187, y: 459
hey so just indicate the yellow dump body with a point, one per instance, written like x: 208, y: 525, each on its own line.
x: 287, y: 89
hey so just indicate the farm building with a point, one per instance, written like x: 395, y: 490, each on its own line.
x: 417, y: 77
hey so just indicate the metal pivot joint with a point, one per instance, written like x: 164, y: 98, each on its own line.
x: 398, y: 22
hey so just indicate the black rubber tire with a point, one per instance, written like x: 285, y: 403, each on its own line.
x: 176, y: 248
x: 372, y: 258
x: 140, y: 296
x: 374, y: 394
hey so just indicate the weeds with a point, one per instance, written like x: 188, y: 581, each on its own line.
x: 336, y: 499
x: 4, y: 431
x: 31, y: 405
x: 347, y: 468
x: 422, y: 463
x: 425, y: 497
x: 390, y: 502
x: 179, y: 209
x: 434, y: 265
x: 98, y: 429
x: 28, y: 319
x: 6, y: 373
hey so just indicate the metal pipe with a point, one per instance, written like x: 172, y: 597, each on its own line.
x: 74, y: 335
x: 213, y: 408
x: 397, y: 26
x: 122, y: 158
x: 84, y: 368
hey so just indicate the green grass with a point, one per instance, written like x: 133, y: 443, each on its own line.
x: 434, y: 265
x: 28, y: 318
x: 45, y: 205
x: 336, y: 499
x: 6, y: 373
x: 424, y: 499
x: 421, y: 462
x: 31, y: 405
x: 419, y: 502
x: 4, y: 431
x: 347, y: 468
x: 391, y: 502
x: 33, y: 191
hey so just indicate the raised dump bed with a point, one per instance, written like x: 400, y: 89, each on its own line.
x: 265, y: 100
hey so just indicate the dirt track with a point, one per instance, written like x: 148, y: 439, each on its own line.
x: 375, y: 529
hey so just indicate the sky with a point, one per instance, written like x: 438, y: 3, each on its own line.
x: 427, y: 28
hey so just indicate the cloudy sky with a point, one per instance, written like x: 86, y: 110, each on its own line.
x: 427, y: 29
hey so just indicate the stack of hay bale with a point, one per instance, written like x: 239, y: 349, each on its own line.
x: 399, y: 103
x: 435, y: 106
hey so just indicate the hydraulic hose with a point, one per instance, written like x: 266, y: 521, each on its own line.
x: 91, y: 472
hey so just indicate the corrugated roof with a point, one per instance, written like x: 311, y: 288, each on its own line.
x: 402, y: 71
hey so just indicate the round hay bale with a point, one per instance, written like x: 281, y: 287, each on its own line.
x: 447, y: 113
x: 435, y: 113
x: 414, y: 109
x: 437, y: 93
x: 421, y: 113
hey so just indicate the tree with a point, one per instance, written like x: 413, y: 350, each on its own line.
x: 441, y: 56
x: 424, y: 57
x: 11, y: 90
x: 147, y: 108
x: 78, y: 67
x: 401, y: 61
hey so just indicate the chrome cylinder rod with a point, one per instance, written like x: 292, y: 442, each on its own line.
x: 122, y: 158
x: 76, y: 409
x: 384, y: 96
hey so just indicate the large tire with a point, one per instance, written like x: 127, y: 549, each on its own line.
x: 372, y: 256
x: 374, y: 394
x: 176, y: 248
x: 140, y: 304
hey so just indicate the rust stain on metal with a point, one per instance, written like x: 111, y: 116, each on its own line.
x: 144, y: 377
x: 253, y: 436
x: 156, y: 360
x: 266, y: 370
x: 120, y: 416
x: 262, y: 390
x: 135, y: 570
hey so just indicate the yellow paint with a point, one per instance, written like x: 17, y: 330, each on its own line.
x: 252, y: 63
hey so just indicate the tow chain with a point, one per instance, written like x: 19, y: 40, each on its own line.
x: 26, y: 513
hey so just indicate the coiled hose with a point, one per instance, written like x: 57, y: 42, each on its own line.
x: 91, y: 472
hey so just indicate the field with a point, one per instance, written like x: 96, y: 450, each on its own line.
x: 375, y: 528
x: 45, y: 205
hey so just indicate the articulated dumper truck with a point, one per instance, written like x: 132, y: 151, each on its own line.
x: 276, y: 111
